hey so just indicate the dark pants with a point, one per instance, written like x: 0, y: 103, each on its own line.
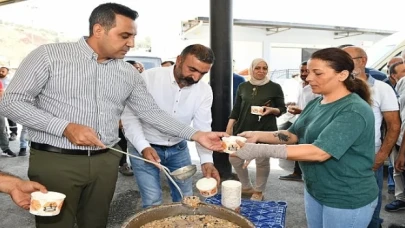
x: 222, y: 164
x: 87, y: 182
x: 297, y: 169
x: 12, y: 126
x: 123, y: 144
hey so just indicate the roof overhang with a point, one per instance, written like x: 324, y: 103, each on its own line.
x: 272, y: 27
x: 6, y: 2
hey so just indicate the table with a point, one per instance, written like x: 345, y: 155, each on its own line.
x: 264, y: 214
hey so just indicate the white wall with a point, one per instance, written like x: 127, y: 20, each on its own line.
x: 282, y: 50
x: 285, y: 58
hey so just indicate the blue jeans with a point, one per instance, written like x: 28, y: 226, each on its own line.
x: 376, y: 221
x: 319, y: 216
x: 390, y: 181
x: 23, y: 137
x: 147, y: 176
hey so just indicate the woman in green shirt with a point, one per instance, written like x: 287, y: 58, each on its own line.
x: 258, y: 91
x: 335, y: 134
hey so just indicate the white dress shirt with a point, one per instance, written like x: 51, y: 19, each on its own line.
x: 305, y: 95
x: 189, y: 105
x: 6, y: 80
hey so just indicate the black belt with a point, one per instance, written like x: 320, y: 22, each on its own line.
x: 154, y: 145
x: 165, y: 147
x: 49, y: 148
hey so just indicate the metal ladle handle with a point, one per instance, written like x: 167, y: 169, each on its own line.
x: 164, y: 168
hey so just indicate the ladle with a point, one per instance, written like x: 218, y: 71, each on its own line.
x: 179, y: 174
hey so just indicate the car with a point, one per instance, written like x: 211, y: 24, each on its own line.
x: 147, y: 61
x: 382, y: 51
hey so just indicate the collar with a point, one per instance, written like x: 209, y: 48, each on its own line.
x: 87, y: 50
x: 370, y: 80
x: 172, y: 79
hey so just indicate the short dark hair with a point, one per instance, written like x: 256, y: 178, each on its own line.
x: 393, y: 66
x: 171, y: 63
x: 304, y: 63
x: 340, y: 60
x: 132, y: 62
x: 104, y: 15
x: 201, y: 52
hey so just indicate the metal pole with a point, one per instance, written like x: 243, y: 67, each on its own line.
x: 221, y: 22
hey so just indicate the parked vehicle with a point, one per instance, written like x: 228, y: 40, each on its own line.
x: 382, y: 51
x: 147, y: 61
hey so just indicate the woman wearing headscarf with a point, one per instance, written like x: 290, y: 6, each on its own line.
x: 258, y: 91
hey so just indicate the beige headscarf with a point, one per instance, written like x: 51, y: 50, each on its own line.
x: 253, y: 80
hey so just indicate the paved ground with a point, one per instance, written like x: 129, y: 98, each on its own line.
x: 127, y: 200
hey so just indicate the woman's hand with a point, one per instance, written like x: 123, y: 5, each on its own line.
x: 251, y: 136
x: 270, y: 111
x: 294, y: 110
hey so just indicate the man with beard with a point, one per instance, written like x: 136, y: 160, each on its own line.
x: 178, y: 91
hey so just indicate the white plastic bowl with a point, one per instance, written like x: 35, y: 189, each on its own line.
x: 46, y: 204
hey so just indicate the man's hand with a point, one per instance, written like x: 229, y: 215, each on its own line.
x: 21, y: 192
x: 81, y: 135
x: 210, y: 140
x: 290, y: 103
x: 150, y: 154
x: 209, y: 170
x: 379, y: 160
x: 400, y: 162
x: 294, y: 110
x: 250, y: 136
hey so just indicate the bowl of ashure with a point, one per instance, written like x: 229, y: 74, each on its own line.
x: 46, y: 204
x: 207, y: 186
x: 230, y: 145
x: 180, y: 215
x: 257, y: 110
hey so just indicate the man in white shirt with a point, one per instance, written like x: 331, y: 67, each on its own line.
x: 178, y: 91
x: 385, y: 106
x: 305, y: 95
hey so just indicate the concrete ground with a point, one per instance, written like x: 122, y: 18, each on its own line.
x: 127, y: 202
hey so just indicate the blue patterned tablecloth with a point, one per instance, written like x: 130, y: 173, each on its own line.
x: 264, y: 214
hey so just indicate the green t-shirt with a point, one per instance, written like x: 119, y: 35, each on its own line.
x: 345, y: 130
x: 269, y: 94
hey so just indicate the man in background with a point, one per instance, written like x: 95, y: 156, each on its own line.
x: 5, y: 79
x: 167, y: 63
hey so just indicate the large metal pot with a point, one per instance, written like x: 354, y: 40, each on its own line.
x: 174, y: 209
